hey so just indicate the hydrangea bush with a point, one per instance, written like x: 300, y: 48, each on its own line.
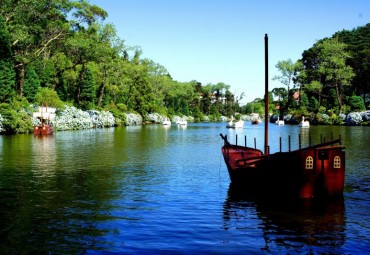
x: 155, y: 118
x: 1, y: 123
x: 354, y: 119
x: 133, y: 119
x: 72, y: 119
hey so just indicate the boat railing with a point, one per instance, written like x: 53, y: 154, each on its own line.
x: 322, y: 143
x: 249, y: 160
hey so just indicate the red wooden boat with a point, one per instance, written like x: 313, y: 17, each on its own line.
x: 316, y: 171
x: 45, y: 116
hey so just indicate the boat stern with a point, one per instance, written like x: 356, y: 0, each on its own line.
x: 323, y: 172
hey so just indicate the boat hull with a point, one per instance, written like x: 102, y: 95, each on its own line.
x: 43, y: 130
x: 307, y: 173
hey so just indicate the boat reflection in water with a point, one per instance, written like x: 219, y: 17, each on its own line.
x: 291, y: 227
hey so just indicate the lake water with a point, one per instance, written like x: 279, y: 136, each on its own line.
x: 158, y: 190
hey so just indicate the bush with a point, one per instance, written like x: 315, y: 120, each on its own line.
x: 354, y: 119
x: 14, y: 121
x: 48, y: 97
x: 356, y: 103
x: 118, y: 112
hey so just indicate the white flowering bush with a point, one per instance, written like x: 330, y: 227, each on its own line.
x: 365, y: 115
x: 1, y: 123
x: 155, y: 118
x: 72, y: 119
x: 107, y: 119
x: 354, y: 119
x: 101, y: 119
x: 133, y: 119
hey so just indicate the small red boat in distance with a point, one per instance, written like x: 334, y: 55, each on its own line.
x: 45, y: 116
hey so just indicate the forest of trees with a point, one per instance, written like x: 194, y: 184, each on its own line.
x: 332, y: 78
x: 57, y: 52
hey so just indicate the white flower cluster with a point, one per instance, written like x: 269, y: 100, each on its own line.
x: 178, y: 118
x: 365, y: 115
x: 72, y: 119
x: 155, y: 118
x: 133, y: 119
x: 101, y: 119
x: 1, y: 123
x: 354, y: 119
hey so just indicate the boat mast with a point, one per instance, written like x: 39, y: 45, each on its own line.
x: 266, y: 95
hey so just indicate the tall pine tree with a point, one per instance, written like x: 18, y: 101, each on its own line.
x: 88, y: 90
x: 31, y: 84
x: 7, y: 74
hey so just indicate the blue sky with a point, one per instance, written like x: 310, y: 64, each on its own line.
x: 215, y: 41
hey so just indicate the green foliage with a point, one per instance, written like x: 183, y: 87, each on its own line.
x: 303, y: 101
x: 31, y: 84
x: 15, y: 118
x: 47, y: 72
x: 69, y: 51
x: 313, y: 104
x: 7, y: 81
x: 346, y: 109
x: 322, y: 118
x: 358, y: 42
x: 326, y: 71
x: 214, y: 114
x: 314, y: 87
x: 88, y: 90
x: 287, y: 69
x: 322, y: 109
x: 335, y: 119
x: 118, y: 112
x: 197, y: 114
x: 5, y: 42
x: 7, y: 74
x: 356, y: 103
x: 48, y: 97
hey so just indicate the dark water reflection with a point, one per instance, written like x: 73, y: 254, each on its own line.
x: 156, y: 190
x: 290, y: 227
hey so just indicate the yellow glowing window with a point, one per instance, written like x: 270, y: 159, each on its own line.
x: 336, y: 162
x: 309, y: 162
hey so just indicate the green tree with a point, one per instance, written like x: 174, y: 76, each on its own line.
x: 287, y: 71
x: 48, y: 97
x: 7, y: 74
x: 47, y: 72
x: 358, y: 45
x: 316, y: 88
x: 356, y: 103
x: 7, y: 81
x: 88, y: 90
x: 282, y: 96
x: 333, y: 56
x: 15, y: 118
x: 31, y: 84
x: 36, y: 26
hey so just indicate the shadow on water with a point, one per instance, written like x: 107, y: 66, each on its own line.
x: 289, y: 227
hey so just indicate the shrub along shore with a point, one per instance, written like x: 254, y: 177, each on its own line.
x: 72, y: 118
